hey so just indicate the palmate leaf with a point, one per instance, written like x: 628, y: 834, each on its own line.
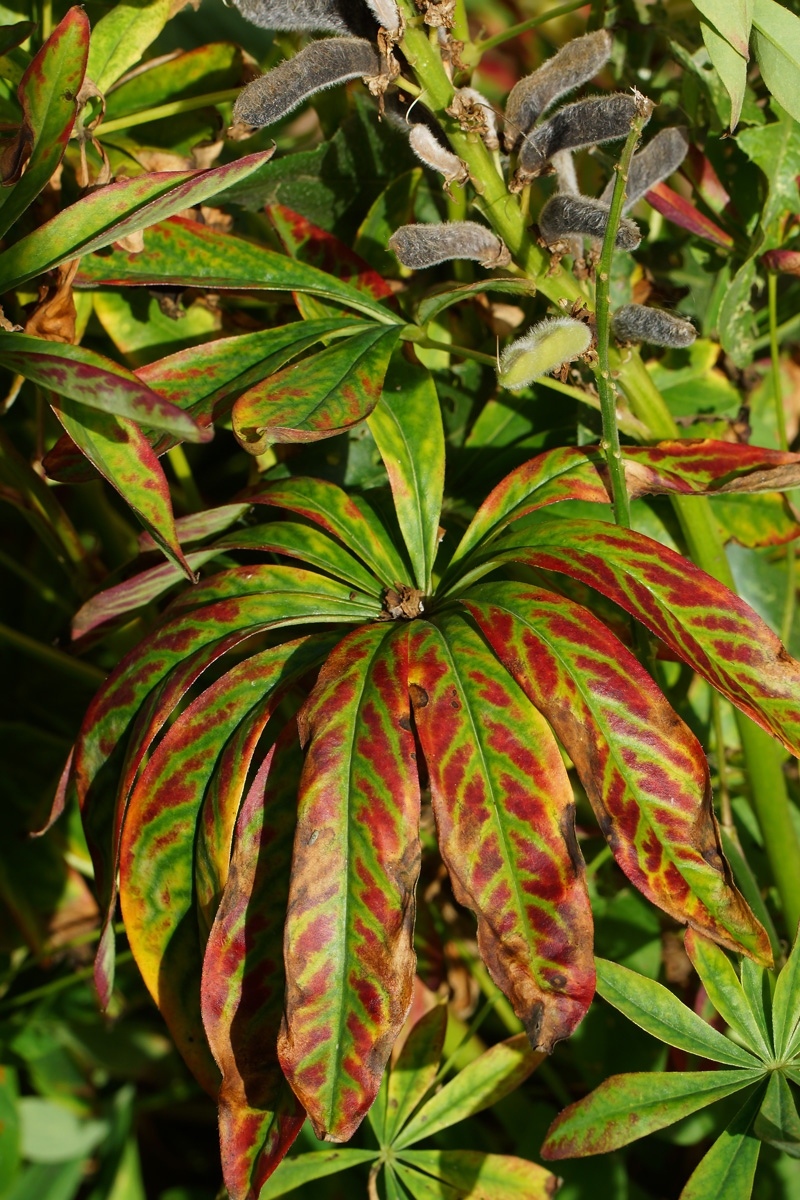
x: 725, y: 992
x: 701, y: 620
x: 304, y: 1168
x: 318, y: 397
x: 728, y: 1170
x: 643, y: 769
x: 777, y: 1121
x: 786, y: 1003
x: 243, y: 979
x: 179, y: 827
x: 415, y: 1070
x: 504, y: 815
x: 348, y: 943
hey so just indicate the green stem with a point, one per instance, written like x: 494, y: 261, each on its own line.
x: 460, y: 22
x: 497, y: 39
x: 167, y: 110
x: 56, y: 659
x: 57, y: 985
x: 780, y: 420
x: 605, y: 385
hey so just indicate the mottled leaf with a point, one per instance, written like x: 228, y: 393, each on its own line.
x: 179, y: 251
x: 114, y: 211
x: 728, y: 1170
x: 243, y: 979
x: 684, y: 214
x: 122, y: 454
x: 658, y: 1011
x: 786, y: 1001
x: 755, y: 520
x: 133, y: 593
x: 478, y: 1176
x: 303, y: 1168
x: 319, y: 396
x: 198, y: 525
x: 165, y: 819
x: 308, y: 544
x: 407, y: 427
x: 644, y: 771
x: 205, y: 69
x: 340, y: 515
x: 505, y: 823
x: 122, y: 34
x: 348, y: 943
x: 774, y: 148
x: 627, y: 1107
x: 47, y: 94
x: 488, y: 1079
x: 701, y: 620
x: 725, y: 991
x: 415, y: 1070
x: 94, y: 381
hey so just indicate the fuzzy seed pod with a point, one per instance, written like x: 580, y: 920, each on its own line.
x: 636, y: 323
x: 564, y: 167
x: 657, y: 161
x: 386, y: 13
x: 320, y: 65
x: 431, y: 151
x: 308, y: 16
x: 542, y: 350
x: 565, y: 216
x: 419, y: 246
x: 576, y: 63
x: 585, y: 123
x: 474, y: 112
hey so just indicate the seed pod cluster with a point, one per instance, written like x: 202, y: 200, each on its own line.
x: 543, y: 349
x: 320, y: 65
x: 419, y: 246
x: 565, y: 216
x: 585, y: 123
x: 656, y: 162
x: 575, y: 64
x: 430, y: 150
x: 306, y: 16
x: 637, y: 323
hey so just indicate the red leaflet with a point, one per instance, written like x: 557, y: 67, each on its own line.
x: 322, y: 250
x: 505, y: 822
x: 683, y: 212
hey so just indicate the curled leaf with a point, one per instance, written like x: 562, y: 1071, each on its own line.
x: 585, y: 123
x: 565, y: 216
x: 637, y: 323
x: 659, y: 159
x: 320, y: 65
x: 543, y: 349
x: 419, y: 246
x: 576, y: 63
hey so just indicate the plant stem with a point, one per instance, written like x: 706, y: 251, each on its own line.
x: 780, y: 420
x: 605, y: 386
x: 167, y: 110
x: 57, y: 985
x: 497, y: 39
x: 82, y: 672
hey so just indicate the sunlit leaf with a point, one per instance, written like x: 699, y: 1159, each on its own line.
x: 478, y: 1176
x: 304, y: 1168
x: 786, y: 1001
x: 725, y: 991
x: 777, y: 1121
x: 415, y: 1069
x: 727, y: 1171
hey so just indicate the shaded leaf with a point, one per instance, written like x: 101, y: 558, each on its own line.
x: 478, y: 1176
x: 443, y: 297
x: 132, y: 593
x: 113, y: 212
x: 655, y: 1009
x: 407, y: 427
x: 626, y: 1107
x: 319, y: 396
x: 484, y: 1082
x: 644, y: 771
x: 731, y: 18
x: 730, y: 66
x: 205, y: 69
x: 415, y: 1069
x: 683, y: 213
x: 303, y: 1168
x: 777, y: 1121
x: 505, y: 824
x: 306, y: 543
x: 728, y: 1170
x: 178, y: 251
x: 755, y: 985
x: 243, y: 979
x: 786, y: 1002
x: 776, y: 41
x: 736, y: 323
x: 775, y: 148
x: 348, y: 942
x: 425, y: 1187
x: 47, y: 95
x: 725, y: 991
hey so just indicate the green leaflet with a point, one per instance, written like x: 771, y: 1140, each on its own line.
x: 484, y: 1176
x: 725, y: 991
x: 627, y: 1107
x: 727, y: 1171
x: 415, y: 1069
x: 776, y: 41
x: 407, y: 428
x: 731, y: 18
x: 655, y: 1009
x: 786, y: 1002
x: 120, y: 37
x: 777, y: 1121
x: 303, y: 1168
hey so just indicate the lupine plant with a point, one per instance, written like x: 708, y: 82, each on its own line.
x: 472, y: 654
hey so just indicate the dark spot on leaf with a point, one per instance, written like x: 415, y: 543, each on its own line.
x: 419, y: 697
x: 558, y: 980
x: 567, y: 825
x: 405, y: 723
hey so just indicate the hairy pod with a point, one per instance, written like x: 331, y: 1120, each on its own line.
x: 657, y: 161
x: 576, y: 63
x: 585, y: 123
x: 564, y: 167
x: 542, y: 350
x: 308, y: 16
x: 386, y: 13
x: 320, y: 65
x: 474, y: 113
x: 637, y: 323
x: 430, y: 150
x: 419, y: 246
x: 565, y: 216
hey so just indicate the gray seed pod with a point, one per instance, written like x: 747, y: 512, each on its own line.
x: 565, y: 216
x: 307, y: 16
x: 386, y: 13
x: 418, y: 246
x: 636, y: 323
x: 431, y: 151
x: 657, y: 161
x: 320, y: 65
x: 585, y: 123
x: 576, y: 63
x: 564, y: 167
